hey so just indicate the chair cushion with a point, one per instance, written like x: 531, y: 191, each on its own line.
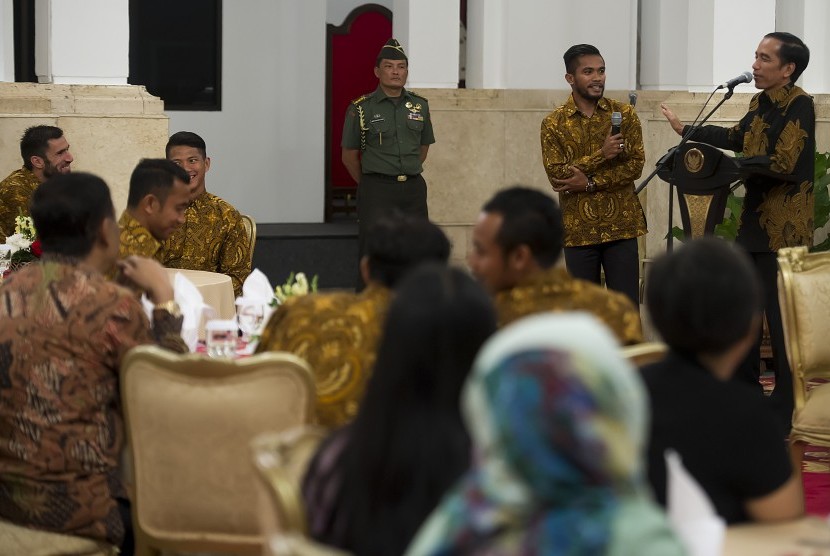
x: 16, y: 539
x: 812, y: 423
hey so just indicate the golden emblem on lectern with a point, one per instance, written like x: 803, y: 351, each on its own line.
x: 693, y: 159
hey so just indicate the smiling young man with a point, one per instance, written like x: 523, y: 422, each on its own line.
x: 45, y: 153
x: 159, y: 194
x: 777, y: 134
x: 213, y: 237
x: 386, y: 137
x: 594, y: 171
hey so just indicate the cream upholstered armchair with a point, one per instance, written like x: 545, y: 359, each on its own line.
x: 644, y: 353
x: 189, y: 422
x: 281, y: 460
x: 804, y: 295
x: 250, y: 229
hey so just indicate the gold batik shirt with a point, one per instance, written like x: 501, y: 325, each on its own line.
x: 15, y: 192
x: 777, y: 134
x: 569, y: 138
x: 213, y: 238
x: 338, y: 334
x: 556, y: 290
x: 136, y: 239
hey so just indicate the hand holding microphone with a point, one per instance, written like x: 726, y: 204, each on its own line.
x: 614, y: 143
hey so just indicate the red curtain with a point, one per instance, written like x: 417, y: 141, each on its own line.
x: 353, y: 55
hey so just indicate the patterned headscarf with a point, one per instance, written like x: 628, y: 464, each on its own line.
x: 558, y: 422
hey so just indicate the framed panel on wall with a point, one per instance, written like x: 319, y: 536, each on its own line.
x: 176, y: 52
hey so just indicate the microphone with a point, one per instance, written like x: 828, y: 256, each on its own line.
x: 616, y: 122
x: 632, y: 98
x: 745, y: 77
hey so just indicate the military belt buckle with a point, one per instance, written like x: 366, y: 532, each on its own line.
x: 402, y: 177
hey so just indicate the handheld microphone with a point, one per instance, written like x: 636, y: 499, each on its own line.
x: 745, y: 77
x: 632, y: 98
x: 616, y: 122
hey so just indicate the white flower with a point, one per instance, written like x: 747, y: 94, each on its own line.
x: 296, y: 284
x: 18, y: 242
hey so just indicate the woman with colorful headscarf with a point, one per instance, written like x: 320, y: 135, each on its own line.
x: 558, y: 423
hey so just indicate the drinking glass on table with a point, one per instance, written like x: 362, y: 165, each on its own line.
x: 250, y: 317
x: 220, y: 338
x: 5, y: 259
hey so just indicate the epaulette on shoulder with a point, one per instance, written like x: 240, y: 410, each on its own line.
x: 360, y: 99
x: 414, y: 94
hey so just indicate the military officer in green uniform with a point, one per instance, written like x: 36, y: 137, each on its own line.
x: 386, y: 137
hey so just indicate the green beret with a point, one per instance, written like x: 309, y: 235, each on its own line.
x: 392, y: 50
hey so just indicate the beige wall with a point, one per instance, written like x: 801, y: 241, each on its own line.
x: 486, y: 140
x: 489, y: 139
x: 109, y: 128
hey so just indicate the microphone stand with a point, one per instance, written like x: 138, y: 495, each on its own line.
x: 664, y: 160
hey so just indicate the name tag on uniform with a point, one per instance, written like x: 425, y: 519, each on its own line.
x: 416, y: 117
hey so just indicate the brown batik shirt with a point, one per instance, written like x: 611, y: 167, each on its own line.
x: 338, y: 334
x: 570, y: 138
x: 555, y: 290
x: 63, y: 332
x: 777, y: 134
x: 136, y: 239
x: 212, y: 238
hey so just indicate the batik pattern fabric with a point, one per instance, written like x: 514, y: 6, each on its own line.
x: 570, y: 138
x: 776, y: 134
x: 63, y: 332
x: 15, y: 192
x: 554, y: 290
x: 558, y: 421
x: 212, y: 238
x: 338, y: 334
x: 136, y: 239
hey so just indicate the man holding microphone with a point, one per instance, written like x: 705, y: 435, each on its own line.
x: 592, y: 150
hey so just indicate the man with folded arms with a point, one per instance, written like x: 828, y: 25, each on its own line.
x: 517, y: 241
x: 64, y: 329
x: 45, y: 153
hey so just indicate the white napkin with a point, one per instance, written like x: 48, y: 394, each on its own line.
x: 691, y: 512
x: 256, y: 290
x: 192, y: 306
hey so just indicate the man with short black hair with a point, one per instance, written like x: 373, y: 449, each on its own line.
x: 45, y: 153
x: 705, y: 301
x: 159, y: 195
x: 517, y: 241
x: 213, y: 236
x: 594, y: 170
x: 776, y: 134
x: 338, y: 333
x: 64, y: 329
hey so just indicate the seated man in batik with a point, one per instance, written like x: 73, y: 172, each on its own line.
x: 213, y: 237
x: 517, y: 241
x: 338, y: 333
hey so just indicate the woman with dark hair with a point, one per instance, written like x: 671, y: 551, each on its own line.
x: 558, y: 422
x: 373, y: 482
